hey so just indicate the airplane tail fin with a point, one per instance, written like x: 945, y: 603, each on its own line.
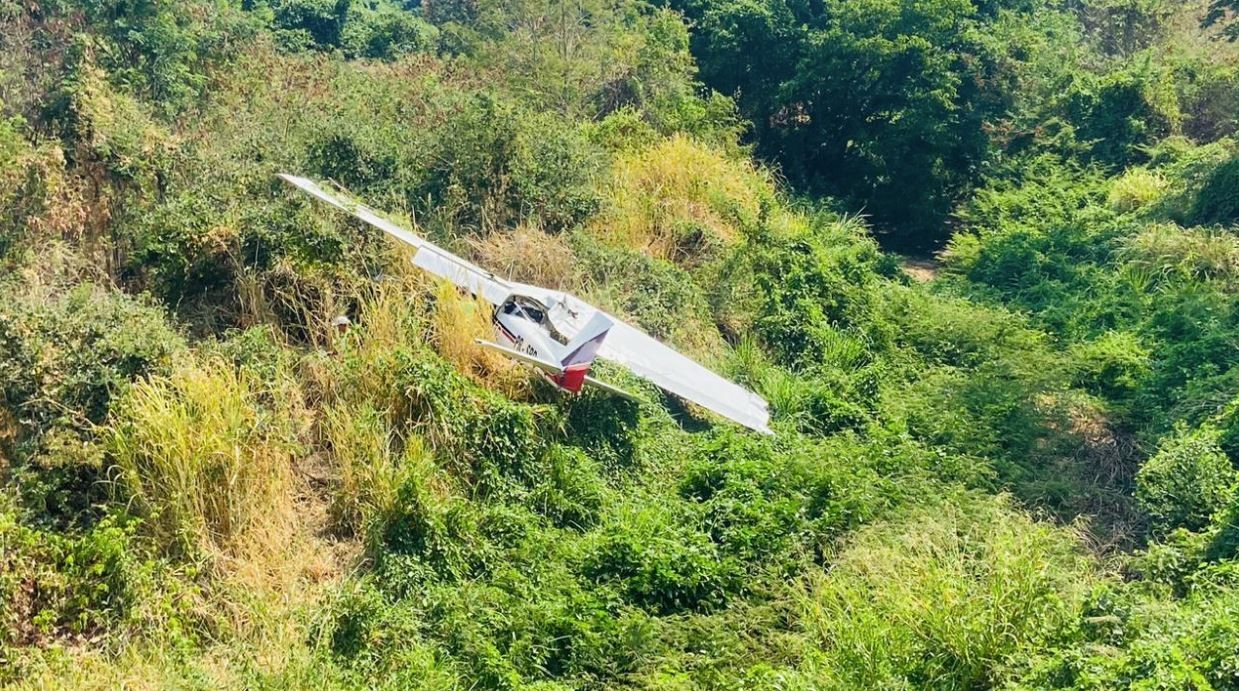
x: 582, y: 350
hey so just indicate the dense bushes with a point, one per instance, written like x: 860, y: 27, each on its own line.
x: 54, y: 585
x: 947, y: 599
x: 65, y: 355
x: 1215, y: 202
x: 1186, y: 482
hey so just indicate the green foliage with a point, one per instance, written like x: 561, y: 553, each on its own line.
x: 1121, y: 114
x: 1185, y: 482
x: 1122, y: 27
x: 1222, y: 12
x: 868, y: 101
x: 494, y: 164
x: 1136, y: 643
x: 54, y: 584
x: 659, y: 565
x: 387, y: 33
x: 1216, y: 202
x: 88, y: 343
x: 65, y: 356
x: 347, y: 509
x: 1112, y: 366
x: 310, y: 23
x: 162, y: 48
x: 800, y: 288
x: 944, y: 600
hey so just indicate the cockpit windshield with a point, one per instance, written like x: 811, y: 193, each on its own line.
x: 528, y: 308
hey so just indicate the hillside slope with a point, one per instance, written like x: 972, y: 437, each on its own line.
x: 1019, y: 473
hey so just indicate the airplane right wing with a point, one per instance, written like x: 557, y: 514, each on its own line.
x: 427, y: 256
x: 660, y: 364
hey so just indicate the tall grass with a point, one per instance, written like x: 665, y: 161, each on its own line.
x: 680, y: 201
x: 1166, y: 250
x: 943, y: 599
x: 455, y: 324
x: 529, y: 255
x: 372, y: 461
x: 205, y: 461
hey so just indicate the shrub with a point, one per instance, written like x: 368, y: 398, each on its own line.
x: 1122, y: 113
x: 770, y: 505
x: 493, y: 164
x: 1114, y: 365
x: 553, y: 173
x: 55, y: 586
x: 806, y: 285
x: 658, y: 564
x: 65, y: 356
x: 572, y: 492
x: 942, y: 599
x: 1186, y: 481
x: 310, y: 23
x: 386, y: 33
x: 1217, y: 202
x: 1139, y: 642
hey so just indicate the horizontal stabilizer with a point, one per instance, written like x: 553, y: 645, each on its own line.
x: 612, y: 389
x: 545, y: 365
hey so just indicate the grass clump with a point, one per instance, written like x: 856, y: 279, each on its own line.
x: 205, y: 460
x: 681, y: 202
x: 945, y: 598
x: 1135, y: 188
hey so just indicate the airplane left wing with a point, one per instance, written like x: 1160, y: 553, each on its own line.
x: 427, y: 255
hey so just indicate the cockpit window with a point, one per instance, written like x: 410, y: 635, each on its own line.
x: 525, y: 307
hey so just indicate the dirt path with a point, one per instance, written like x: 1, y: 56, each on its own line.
x: 921, y: 270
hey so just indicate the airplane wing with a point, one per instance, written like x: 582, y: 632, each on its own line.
x: 544, y: 365
x: 649, y: 359
x: 656, y: 362
x: 427, y: 256
x: 612, y: 389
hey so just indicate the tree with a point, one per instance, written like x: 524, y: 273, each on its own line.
x: 881, y: 103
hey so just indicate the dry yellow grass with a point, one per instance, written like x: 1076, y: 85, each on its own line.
x: 207, y: 463
x: 459, y: 319
x: 680, y: 201
x: 529, y: 255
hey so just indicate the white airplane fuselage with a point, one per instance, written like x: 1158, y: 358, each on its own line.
x: 526, y: 332
x: 519, y: 332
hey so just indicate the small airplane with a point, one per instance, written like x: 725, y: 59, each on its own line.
x: 560, y: 334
